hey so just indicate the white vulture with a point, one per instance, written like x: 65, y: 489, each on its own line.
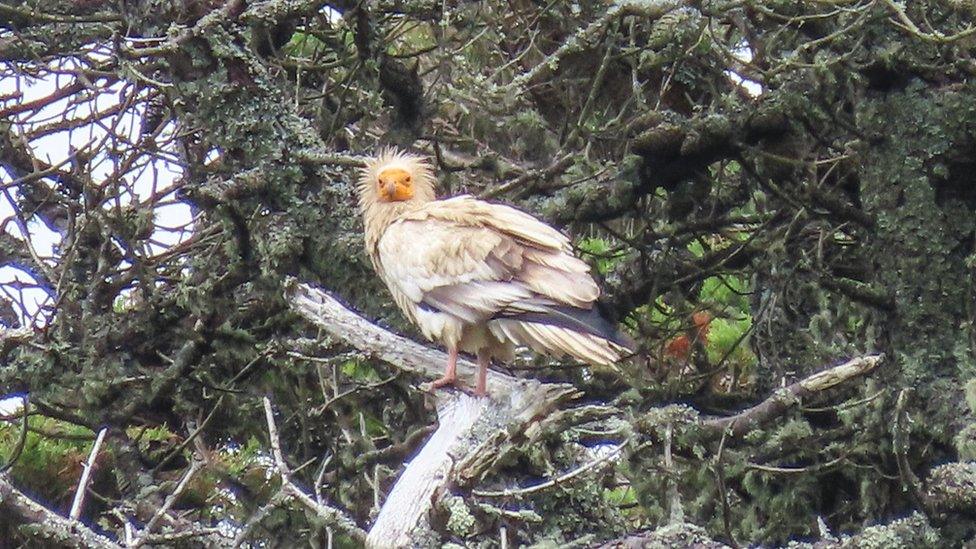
x: 477, y: 276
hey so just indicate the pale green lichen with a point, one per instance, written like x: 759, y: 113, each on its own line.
x: 970, y: 392
x: 683, y: 534
x: 913, y: 532
x: 965, y: 442
x: 460, y: 521
x: 953, y: 486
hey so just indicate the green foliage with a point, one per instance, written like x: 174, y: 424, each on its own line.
x: 50, y: 462
x: 602, y: 252
x: 360, y: 370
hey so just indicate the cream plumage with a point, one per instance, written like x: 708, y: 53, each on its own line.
x: 477, y: 276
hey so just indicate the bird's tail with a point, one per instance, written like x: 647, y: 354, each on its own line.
x: 581, y: 333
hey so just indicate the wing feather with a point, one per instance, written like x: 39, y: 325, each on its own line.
x: 521, y: 247
x: 485, y: 263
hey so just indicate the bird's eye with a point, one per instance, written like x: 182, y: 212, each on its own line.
x: 407, y: 179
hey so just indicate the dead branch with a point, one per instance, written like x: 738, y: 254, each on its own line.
x: 86, y: 476
x: 328, y: 313
x: 168, y: 504
x: 46, y: 523
x: 560, y: 480
x: 288, y: 490
x: 473, y: 434
x: 785, y: 398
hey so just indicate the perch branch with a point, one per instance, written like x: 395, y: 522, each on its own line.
x: 472, y: 436
x: 328, y: 313
x: 782, y: 400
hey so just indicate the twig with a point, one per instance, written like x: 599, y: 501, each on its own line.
x: 22, y: 441
x: 332, y: 159
x: 576, y: 42
x: 170, y: 537
x: 85, y: 476
x: 795, y: 470
x: 905, y: 23
x: 720, y: 477
x: 573, y: 44
x: 168, y: 503
x: 275, y: 442
x: 900, y: 445
x: 676, y: 514
x: 329, y: 514
x: 257, y: 517
x: 562, y: 479
x: 190, y: 438
x: 288, y: 490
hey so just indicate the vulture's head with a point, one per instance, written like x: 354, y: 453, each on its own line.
x: 396, y: 176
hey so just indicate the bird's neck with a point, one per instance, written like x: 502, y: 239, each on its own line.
x: 380, y: 215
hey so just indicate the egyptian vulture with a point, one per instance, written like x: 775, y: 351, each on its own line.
x: 477, y: 276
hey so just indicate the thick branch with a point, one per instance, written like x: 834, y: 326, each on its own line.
x: 473, y: 434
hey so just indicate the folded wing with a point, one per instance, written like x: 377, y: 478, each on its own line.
x: 490, y: 264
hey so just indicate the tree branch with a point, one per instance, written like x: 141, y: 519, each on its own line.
x: 473, y: 434
x: 49, y: 525
x: 747, y: 420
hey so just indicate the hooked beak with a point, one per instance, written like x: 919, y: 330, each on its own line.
x: 389, y: 188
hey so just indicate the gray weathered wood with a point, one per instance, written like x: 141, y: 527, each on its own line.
x: 473, y: 434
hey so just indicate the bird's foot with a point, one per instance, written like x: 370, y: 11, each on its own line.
x: 453, y: 382
x: 444, y: 382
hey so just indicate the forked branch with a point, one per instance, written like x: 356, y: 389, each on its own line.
x: 472, y: 436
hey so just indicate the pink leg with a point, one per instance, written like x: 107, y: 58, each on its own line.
x: 450, y: 375
x: 484, y: 360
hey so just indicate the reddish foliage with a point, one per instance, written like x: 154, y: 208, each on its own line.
x: 680, y: 346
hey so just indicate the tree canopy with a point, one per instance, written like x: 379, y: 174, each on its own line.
x: 765, y: 190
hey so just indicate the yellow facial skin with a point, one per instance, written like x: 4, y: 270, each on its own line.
x: 395, y: 185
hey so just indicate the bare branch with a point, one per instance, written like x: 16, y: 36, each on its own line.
x: 49, y: 525
x: 473, y: 434
x: 747, y: 420
x: 79, y: 500
x: 288, y: 490
x: 560, y: 480
x: 325, y: 311
x: 168, y: 504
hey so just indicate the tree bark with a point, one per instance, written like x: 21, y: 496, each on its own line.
x: 473, y: 434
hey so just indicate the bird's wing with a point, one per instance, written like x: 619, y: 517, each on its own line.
x: 465, y: 271
x: 484, y: 262
x: 476, y: 248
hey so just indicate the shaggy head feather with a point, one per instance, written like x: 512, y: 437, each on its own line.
x: 392, y: 162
